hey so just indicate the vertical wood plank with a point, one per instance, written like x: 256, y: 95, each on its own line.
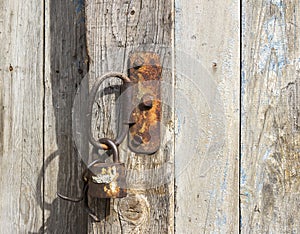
x: 207, y: 116
x: 66, y: 65
x: 114, y: 30
x: 270, y: 180
x: 21, y: 104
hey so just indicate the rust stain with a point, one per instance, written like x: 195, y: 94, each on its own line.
x: 112, y: 189
x: 145, y: 71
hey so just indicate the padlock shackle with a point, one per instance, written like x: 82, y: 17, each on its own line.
x: 112, y: 146
x: 115, y: 151
x: 125, y: 105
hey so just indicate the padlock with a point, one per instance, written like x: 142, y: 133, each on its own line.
x: 107, y: 180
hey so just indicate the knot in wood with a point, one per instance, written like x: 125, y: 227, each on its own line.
x: 134, y: 209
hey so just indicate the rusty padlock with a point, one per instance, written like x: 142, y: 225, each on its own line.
x: 107, y: 180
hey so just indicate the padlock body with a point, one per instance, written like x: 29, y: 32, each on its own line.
x: 107, y: 180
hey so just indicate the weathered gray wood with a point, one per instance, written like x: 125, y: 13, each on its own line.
x: 65, y: 66
x: 114, y: 29
x: 270, y: 180
x: 207, y: 116
x: 21, y: 115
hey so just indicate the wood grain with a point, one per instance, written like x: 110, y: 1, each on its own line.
x: 270, y: 163
x: 65, y: 66
x: 207, y: 116
x: 21, y: 115
x: 114, y: 30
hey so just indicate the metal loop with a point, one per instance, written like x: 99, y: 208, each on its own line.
x: 71, y: 199
x: 84, y: 197
x: 93, y: 93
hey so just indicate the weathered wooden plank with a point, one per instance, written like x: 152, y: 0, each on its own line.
x: 65, y: 67
x: 207, y: 116
x: 21, y: 104
x: 270, y: 156
x: 114, y: 30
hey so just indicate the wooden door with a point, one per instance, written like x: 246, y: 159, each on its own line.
x: 229, y: 155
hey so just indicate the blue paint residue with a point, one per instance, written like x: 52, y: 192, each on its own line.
x: 246, y: 194
x: 212, y: 194
x: 221, y: 220
x: 243, y: 88
x: 259, y: 188
x: 224, y: 184
x: 178, y: 25
x: 79, y: 10
x: 79, y: 5
x: 267, y: 154
x: 278, y: 3
x: 243, y: 177
x: 241, y: 222
x: 178, y: 127
x: 272, y: 52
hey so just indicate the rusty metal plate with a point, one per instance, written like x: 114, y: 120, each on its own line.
x: 108, y: 180
x: 145, y: 72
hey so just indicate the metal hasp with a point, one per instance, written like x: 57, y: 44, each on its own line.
x: 145, y: 73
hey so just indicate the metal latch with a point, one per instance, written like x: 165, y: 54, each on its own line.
x: 145, y: 73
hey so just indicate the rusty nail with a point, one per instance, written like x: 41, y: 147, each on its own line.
x: 137, y: 139
x: 131, y: 121
x: 147, y: 100
x: 138, y: 62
